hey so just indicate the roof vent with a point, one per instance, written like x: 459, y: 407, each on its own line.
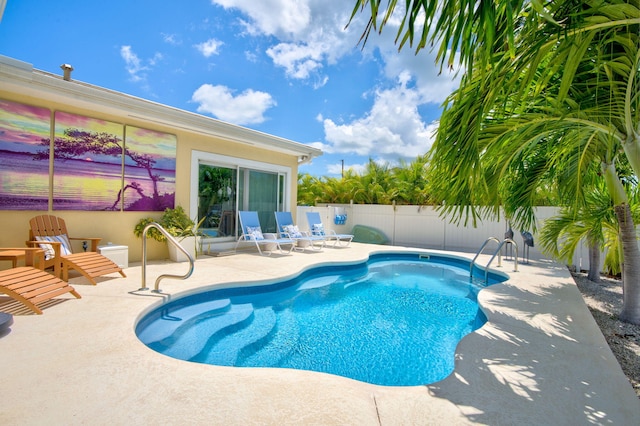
x: 66, y: 68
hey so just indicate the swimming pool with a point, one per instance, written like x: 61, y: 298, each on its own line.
x: 393, y: 320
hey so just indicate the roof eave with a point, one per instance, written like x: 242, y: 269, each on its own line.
x: 20, y: 78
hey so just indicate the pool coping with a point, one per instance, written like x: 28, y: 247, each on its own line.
x: 540, y: 354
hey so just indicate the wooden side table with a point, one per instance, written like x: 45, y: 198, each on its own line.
x: 30, y: 256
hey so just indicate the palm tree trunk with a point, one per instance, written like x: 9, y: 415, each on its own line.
x: 594, y: 262
x: 630, y: 265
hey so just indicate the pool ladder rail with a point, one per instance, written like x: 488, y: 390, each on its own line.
x: 497, y: 252
x: 171, y: 240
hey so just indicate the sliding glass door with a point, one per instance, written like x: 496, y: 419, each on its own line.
x: 217, y: 200
x: 259, y: 192
x: 223, y: 188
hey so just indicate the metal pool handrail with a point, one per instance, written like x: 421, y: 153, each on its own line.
x: 515, y: 259
x: 497, y: 252
x: 480, y: 251
x: 171, y: 240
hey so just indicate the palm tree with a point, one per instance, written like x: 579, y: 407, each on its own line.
x: 594, y: 222
x: 375, y: 185
x: 308, y: 189
x: 543, y: 85
x: 411, y: 182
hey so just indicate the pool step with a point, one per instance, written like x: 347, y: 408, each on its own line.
x: 165, y: 326
x: 276, y: 346
x: 189, y: 341
x: 230, y: 343
x: 319, y: 282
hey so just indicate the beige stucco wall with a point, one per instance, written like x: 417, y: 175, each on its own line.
x: 117, y: 227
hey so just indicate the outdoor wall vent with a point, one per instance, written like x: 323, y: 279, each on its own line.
x: 66, y: 68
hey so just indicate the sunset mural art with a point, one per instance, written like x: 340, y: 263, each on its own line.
x: 149, y: 170
x: 24, y: 181
x: 94, y: 167
x: 87, y: 163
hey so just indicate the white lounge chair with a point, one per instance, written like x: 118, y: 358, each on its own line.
x: 317, y: 228
x: 304, y: 239
x: 252, y: 233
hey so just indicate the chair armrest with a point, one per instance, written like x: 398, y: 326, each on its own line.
x: 36, y: 244
x: 33, y: 256
x: 56, y: 246
x: 94, y: 241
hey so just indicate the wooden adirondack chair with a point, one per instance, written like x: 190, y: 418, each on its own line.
x: 50, y: 233
x: 29, y: 285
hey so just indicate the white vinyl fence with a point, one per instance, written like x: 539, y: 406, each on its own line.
x: 422, y: 227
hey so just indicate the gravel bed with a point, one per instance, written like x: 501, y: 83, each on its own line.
x: 604, y: 300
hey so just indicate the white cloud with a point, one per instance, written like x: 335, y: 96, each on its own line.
x: 246, y: 108
x: 133, y: 64
x: 311, y: 37
x: 321, y: 82
x: 209, y: 47
x: 251, y: 56
x: 171, y: 39
x: 136, y: 67
x: 321, y: 146
x: 311, y: 33
x: 155, y: 59
x: 272, y: 17
x: 299, y: 61
x: 336, y: 168
x: 432, y: 85
x: 391, y: 130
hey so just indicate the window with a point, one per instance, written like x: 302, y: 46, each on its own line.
x: 216, y: 200
x: 222, y: 185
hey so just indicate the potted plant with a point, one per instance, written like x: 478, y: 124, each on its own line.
x: 177, y: 224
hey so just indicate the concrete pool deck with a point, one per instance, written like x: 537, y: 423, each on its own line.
x: 540, y: 359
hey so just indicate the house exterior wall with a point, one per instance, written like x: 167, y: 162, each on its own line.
x: 117, y: 226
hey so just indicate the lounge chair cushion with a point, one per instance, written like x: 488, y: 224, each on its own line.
x: 318, y: 229
x: 293, y: 231
x: 255, y: 233
x: 49, y: 252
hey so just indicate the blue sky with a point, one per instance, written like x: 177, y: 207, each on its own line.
x: 284, y: 67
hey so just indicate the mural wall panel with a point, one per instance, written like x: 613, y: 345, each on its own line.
x: 95, y: 167
x: 150, y: 170
x: 87, y: 165
x: 24, y: 169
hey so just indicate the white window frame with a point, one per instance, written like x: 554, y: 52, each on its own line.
x: 212, y: 159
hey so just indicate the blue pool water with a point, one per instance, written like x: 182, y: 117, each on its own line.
x: 394, y: 320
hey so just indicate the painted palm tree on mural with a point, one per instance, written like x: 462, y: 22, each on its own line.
x: 76, y: 143
x: 561, y: 78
